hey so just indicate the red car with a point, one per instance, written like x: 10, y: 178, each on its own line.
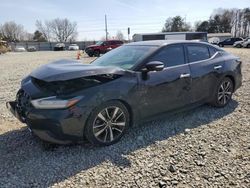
x: 102, y: 47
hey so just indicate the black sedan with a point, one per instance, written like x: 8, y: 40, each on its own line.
x: 66, y: 101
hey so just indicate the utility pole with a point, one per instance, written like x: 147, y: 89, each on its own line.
x: 128, y: 34
x: 106, y: 27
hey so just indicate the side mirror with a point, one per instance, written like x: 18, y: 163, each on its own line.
x: 155, y: 66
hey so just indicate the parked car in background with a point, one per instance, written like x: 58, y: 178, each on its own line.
x: 239, y: 44
x: 19, y: 49
x: 59, y: 47
x: 31, y: 49
x: 73, y: 47
x: 102, y: 47
x: 229, y: 41
x: 67, y: 101
x: 246, y: 43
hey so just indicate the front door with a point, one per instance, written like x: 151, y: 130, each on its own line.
x: 167, y: 89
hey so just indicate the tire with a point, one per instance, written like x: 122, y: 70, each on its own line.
x: 90, y: 54
x: 238, y: 46
x: 223, y: 93
x: 107, y: 123
x: 97, y: 53
x: 248, y: 46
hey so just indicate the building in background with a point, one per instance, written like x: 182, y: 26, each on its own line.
x: 201, y: 36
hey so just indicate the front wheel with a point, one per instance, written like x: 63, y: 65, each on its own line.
x: 107, y: 123
x: 97, y: 53
x: 223, y: 93
x: 238, y: 46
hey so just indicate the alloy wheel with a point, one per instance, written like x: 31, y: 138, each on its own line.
x: 225, y: 92
x: 109, y: 124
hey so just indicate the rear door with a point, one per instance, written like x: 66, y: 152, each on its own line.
x: 167, y: 89
x: 206, y: 65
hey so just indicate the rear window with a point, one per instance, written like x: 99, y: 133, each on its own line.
x: 197, y: 53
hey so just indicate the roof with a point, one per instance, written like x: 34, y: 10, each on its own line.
x: 170, y: 33
x: 161, y: 42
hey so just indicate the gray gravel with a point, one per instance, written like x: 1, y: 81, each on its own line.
x: 205, y: 147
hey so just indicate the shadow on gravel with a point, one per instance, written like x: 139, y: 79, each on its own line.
x: 24, y: 162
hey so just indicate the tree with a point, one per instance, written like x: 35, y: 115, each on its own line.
x: 175, y: 24
x: 202, y: 26
x: 38, y: 36
x: 44, y: 29
x: 12, y: 32
x: 61, y: 30
x: 119, y: 35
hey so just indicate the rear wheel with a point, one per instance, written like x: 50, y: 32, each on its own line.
x: 223, y: 93
x: 248, y: 45
x: 107, y: 123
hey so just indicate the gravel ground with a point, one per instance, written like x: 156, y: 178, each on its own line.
x: 205, y: 147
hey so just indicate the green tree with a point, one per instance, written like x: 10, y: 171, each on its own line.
x: 38, y: 36
x: 203, y: 26
x: 175, y: 24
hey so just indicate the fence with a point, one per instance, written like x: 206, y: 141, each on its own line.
x: 48, y: 46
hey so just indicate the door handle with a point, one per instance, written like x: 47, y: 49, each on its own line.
x: 184, y: 75
x: 217, y: 67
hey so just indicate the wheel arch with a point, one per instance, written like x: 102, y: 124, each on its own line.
x: 231, y: 77
x: 129, y: 108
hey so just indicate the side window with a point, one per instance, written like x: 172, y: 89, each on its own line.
x: 170, y: 56
x: 212, y: 51
x: 197, y: 53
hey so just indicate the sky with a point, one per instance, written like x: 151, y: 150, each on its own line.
x: 142, y: 16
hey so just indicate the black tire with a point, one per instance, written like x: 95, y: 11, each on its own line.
x: 223, y: 93
x: 248, y: 46
x: 96, y: 53
x: 107, y: 123
x: 90, y: 54
x: 238, y: 46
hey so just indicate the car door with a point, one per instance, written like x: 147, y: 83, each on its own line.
x: 228, y: 41
x: 206, y: 65
x: 167, y: 89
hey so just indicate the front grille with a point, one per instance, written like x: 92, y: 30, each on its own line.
x: 23, y: 103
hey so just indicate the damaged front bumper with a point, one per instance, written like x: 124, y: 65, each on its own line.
x: 12, y: 107
x: 55, y: 126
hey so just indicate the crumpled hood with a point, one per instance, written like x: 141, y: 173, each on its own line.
x: 69, y: 69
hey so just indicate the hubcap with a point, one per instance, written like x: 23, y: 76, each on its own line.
x: 225, y: 92
x: 109, y: 124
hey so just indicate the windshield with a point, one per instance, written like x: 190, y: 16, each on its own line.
x: 99, y: 42
x: 124, y: 57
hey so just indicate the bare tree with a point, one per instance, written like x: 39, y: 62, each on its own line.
x: 119, y: 35
x: 44, y: 29
x: 61, y: 30
x: 12, y: 32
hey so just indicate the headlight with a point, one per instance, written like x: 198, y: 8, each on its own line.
x: 54, y: 102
